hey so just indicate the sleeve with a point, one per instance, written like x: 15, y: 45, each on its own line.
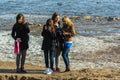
x: 73, y: 31
x: 13, y: 34
x: 70, y: 33
x: 45, y: 32
x: 27, y: 28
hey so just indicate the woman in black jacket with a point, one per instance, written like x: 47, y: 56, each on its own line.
x: 20, y: 32
x: 48, y: 45
x: 59, y: 39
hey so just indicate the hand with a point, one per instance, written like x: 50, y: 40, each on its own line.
x: 19, y: 40
x: 49, y: 28
x: 25, y: 21
x: 45, y: 27
x: 65, y: 33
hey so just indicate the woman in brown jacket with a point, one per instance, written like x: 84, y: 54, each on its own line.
x: 68, y: 32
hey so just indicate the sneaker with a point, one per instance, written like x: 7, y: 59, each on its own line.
x: 22, y: 70
x: 57, y: 69
x: 46, y: 71
x: 50, y: 70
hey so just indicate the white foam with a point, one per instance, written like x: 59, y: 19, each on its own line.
x: 81, y: 45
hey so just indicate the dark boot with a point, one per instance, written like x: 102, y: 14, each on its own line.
x: 67, y: 68
x: 18, y: 70
x: 22, y: 70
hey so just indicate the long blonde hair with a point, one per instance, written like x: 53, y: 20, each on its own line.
x: 67, y: 21
x: 68, y: 24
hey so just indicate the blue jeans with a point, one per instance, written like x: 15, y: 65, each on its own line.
x: 65, y: 52
x: 49, y: 54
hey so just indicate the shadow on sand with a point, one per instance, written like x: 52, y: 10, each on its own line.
x: 29, y: 71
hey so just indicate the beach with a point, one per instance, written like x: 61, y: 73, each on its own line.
x: 94, y: 55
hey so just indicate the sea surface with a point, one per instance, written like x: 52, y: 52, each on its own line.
x: 41, y: 10
x: 64, y: 7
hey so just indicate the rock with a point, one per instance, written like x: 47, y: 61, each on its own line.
x: 109, y: 18
x: 40, y: 25
x: 59, y: 4
x: 97, y: 17
x: 87, y: 17
x: 30, y: 23
x: 118, y: 18
x: 75, y: 17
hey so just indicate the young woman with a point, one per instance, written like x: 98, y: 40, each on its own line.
x: 68, y: 33
x: 20, y: 32
x: 48, y: 45
x: 59, y: 40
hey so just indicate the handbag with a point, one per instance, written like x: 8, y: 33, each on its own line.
x: 17, y: 47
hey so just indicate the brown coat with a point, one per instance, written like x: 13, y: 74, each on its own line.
x: 68, y: 33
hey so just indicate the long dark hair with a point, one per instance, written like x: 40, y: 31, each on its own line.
x: 49, y: 23
x: 19, y: 16
x: 54, y: 16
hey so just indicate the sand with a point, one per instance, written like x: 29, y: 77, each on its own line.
x: 7, y: 72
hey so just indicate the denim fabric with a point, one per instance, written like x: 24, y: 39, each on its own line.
x: 49, y: 54
x: 65, y: 53
x: 68, y: 44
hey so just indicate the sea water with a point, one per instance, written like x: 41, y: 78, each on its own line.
x: 64, y: 7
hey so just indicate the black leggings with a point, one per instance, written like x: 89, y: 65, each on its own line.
x: 21, y: 57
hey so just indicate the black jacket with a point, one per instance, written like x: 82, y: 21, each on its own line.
x: 49, y: 40
x: 21, y: 31
x: 59, y: 37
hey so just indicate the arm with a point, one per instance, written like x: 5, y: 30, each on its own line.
x: 13, y: 34
x: 27, y: 28
x: 45, y: 31
x: 70, y: 33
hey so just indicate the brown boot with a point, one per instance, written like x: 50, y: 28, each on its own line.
x: 67, y: 69
x: 57, y: 69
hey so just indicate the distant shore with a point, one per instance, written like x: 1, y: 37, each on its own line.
x: 84, y: 25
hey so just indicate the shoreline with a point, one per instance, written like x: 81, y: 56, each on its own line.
x: 84, y: 25
x: 87, y: 52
